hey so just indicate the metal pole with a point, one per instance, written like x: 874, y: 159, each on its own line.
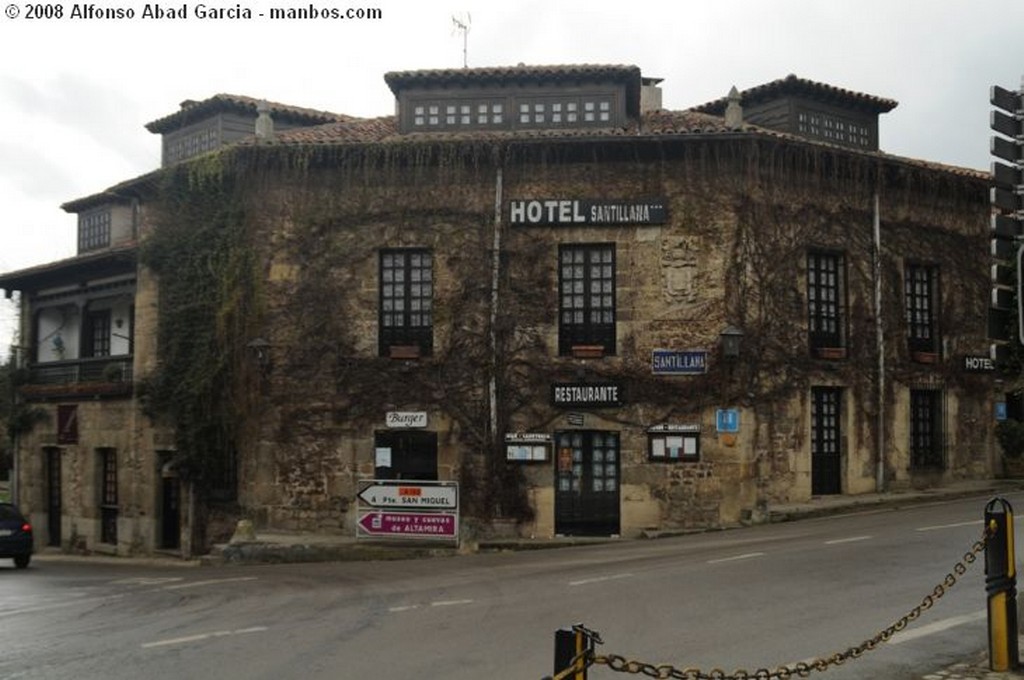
x: 1001, y: 587
x: 880, y: 343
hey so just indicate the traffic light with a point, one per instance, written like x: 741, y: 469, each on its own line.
x: 1006, y: 196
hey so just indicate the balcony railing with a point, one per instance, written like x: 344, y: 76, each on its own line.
x: 90, y: 376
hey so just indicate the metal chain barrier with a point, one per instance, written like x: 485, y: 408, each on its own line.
x: 615, y: 662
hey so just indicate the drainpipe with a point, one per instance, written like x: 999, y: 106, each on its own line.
x: 495, y: 272
x: 880, y: 343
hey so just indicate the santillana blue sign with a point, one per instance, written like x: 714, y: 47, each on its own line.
x: 674, y: 362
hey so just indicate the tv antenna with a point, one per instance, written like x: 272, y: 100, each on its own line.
x: 461, y: 23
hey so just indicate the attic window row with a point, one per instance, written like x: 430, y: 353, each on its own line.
x: 834, y: 129
x: 523, y: 112
x: 191, y: 144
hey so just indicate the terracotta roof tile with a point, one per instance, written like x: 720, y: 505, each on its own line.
x: 653, y: 124
x: 398, y: 80
x: 192, y: 111
x: 791, y: 84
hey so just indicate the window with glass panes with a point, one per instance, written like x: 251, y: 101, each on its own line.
x: 586, y: 284
x: 825, y: 291
x: 920, y: 294
x: 406, y: 299
x: 93, y: 230
x: 564, y: 111
x: 460, y: 113
x: 97, y: 333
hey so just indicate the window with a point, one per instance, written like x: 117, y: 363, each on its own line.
x: 833, y: 129
x: 460, y: 113
x: 825, y: 292
x: 191, y: 144
x: 586, y: 281
x: 674, y: 445
x: 406, y: 300
x: 526, y: 111
x: 108, y: 495
x: 557, y: 111
x: 921, y: 297
x: 97, y: 333
x: 926, y: 444
x: 93, y: 230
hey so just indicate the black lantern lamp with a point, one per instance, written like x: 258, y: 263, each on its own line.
x: 730, y: 340
x: 260, y: 351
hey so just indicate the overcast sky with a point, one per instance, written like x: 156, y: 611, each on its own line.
x: 75, y: 93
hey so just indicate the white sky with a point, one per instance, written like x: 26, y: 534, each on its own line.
x: 75, y: 93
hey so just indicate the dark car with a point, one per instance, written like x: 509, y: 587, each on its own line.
x: 15, y: 535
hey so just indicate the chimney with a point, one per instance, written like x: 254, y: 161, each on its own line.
x: 650, y: 94
x: 264, y: 123
x: 733, y: 110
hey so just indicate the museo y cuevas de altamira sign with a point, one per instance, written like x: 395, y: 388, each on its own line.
x: 561, y: 211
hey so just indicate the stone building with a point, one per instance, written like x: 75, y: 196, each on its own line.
x: 598, y: 316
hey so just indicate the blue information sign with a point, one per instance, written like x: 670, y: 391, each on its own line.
x: 727, y: 420
x: 675, y: 362
x: 1000, y: 410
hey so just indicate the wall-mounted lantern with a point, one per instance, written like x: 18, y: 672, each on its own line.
x: 259, y: 349
x: 730, y: 340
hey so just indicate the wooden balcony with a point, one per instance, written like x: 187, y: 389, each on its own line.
x: 75, y: 378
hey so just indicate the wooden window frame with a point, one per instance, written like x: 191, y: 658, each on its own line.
x: 826, y: 303
x: 921, y: 301
x: 582, y: 338
x: 413, y: 336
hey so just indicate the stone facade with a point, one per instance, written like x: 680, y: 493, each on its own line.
x: 746, y: 223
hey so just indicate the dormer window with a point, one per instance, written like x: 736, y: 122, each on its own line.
x: 516, y: 98
x: 94, y: 230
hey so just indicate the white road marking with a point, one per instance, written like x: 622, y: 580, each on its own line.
x: 734, y: 558
x: 598, y: 579
x: 212, y: 582
x: 450, y: 603
x: 951, y: 526
x: 937, y: 627
x: 406, y: 608
x: 202, y: 636
x: 852, y: 539
x: 60, y: 605
x: 146, y: 581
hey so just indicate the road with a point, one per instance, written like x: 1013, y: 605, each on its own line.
x: 746, y: 598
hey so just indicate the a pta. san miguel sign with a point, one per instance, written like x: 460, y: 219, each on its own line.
x: 554, y: 211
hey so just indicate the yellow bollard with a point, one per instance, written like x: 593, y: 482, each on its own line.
x: 1001, y: 587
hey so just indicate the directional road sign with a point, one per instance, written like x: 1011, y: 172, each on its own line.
x: 424, y: 525
x: 411, y: 495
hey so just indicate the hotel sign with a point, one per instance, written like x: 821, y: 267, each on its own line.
x: 672, y: 362
x: 554, y: 211
x: 571, y: 395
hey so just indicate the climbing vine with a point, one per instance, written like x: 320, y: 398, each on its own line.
x: 209, y: 291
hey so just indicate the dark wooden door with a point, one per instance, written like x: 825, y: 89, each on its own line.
x: 53, y: 497
x: 826, y: 469
x: 170, y: 517
x: 587, y: 483
x: 413, y: 454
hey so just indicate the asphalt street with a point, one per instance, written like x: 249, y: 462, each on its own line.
x: 748, y: 598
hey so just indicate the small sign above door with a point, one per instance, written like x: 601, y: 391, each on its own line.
x: 404, y: 419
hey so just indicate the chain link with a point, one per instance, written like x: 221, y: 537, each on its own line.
x: 802, y: 669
